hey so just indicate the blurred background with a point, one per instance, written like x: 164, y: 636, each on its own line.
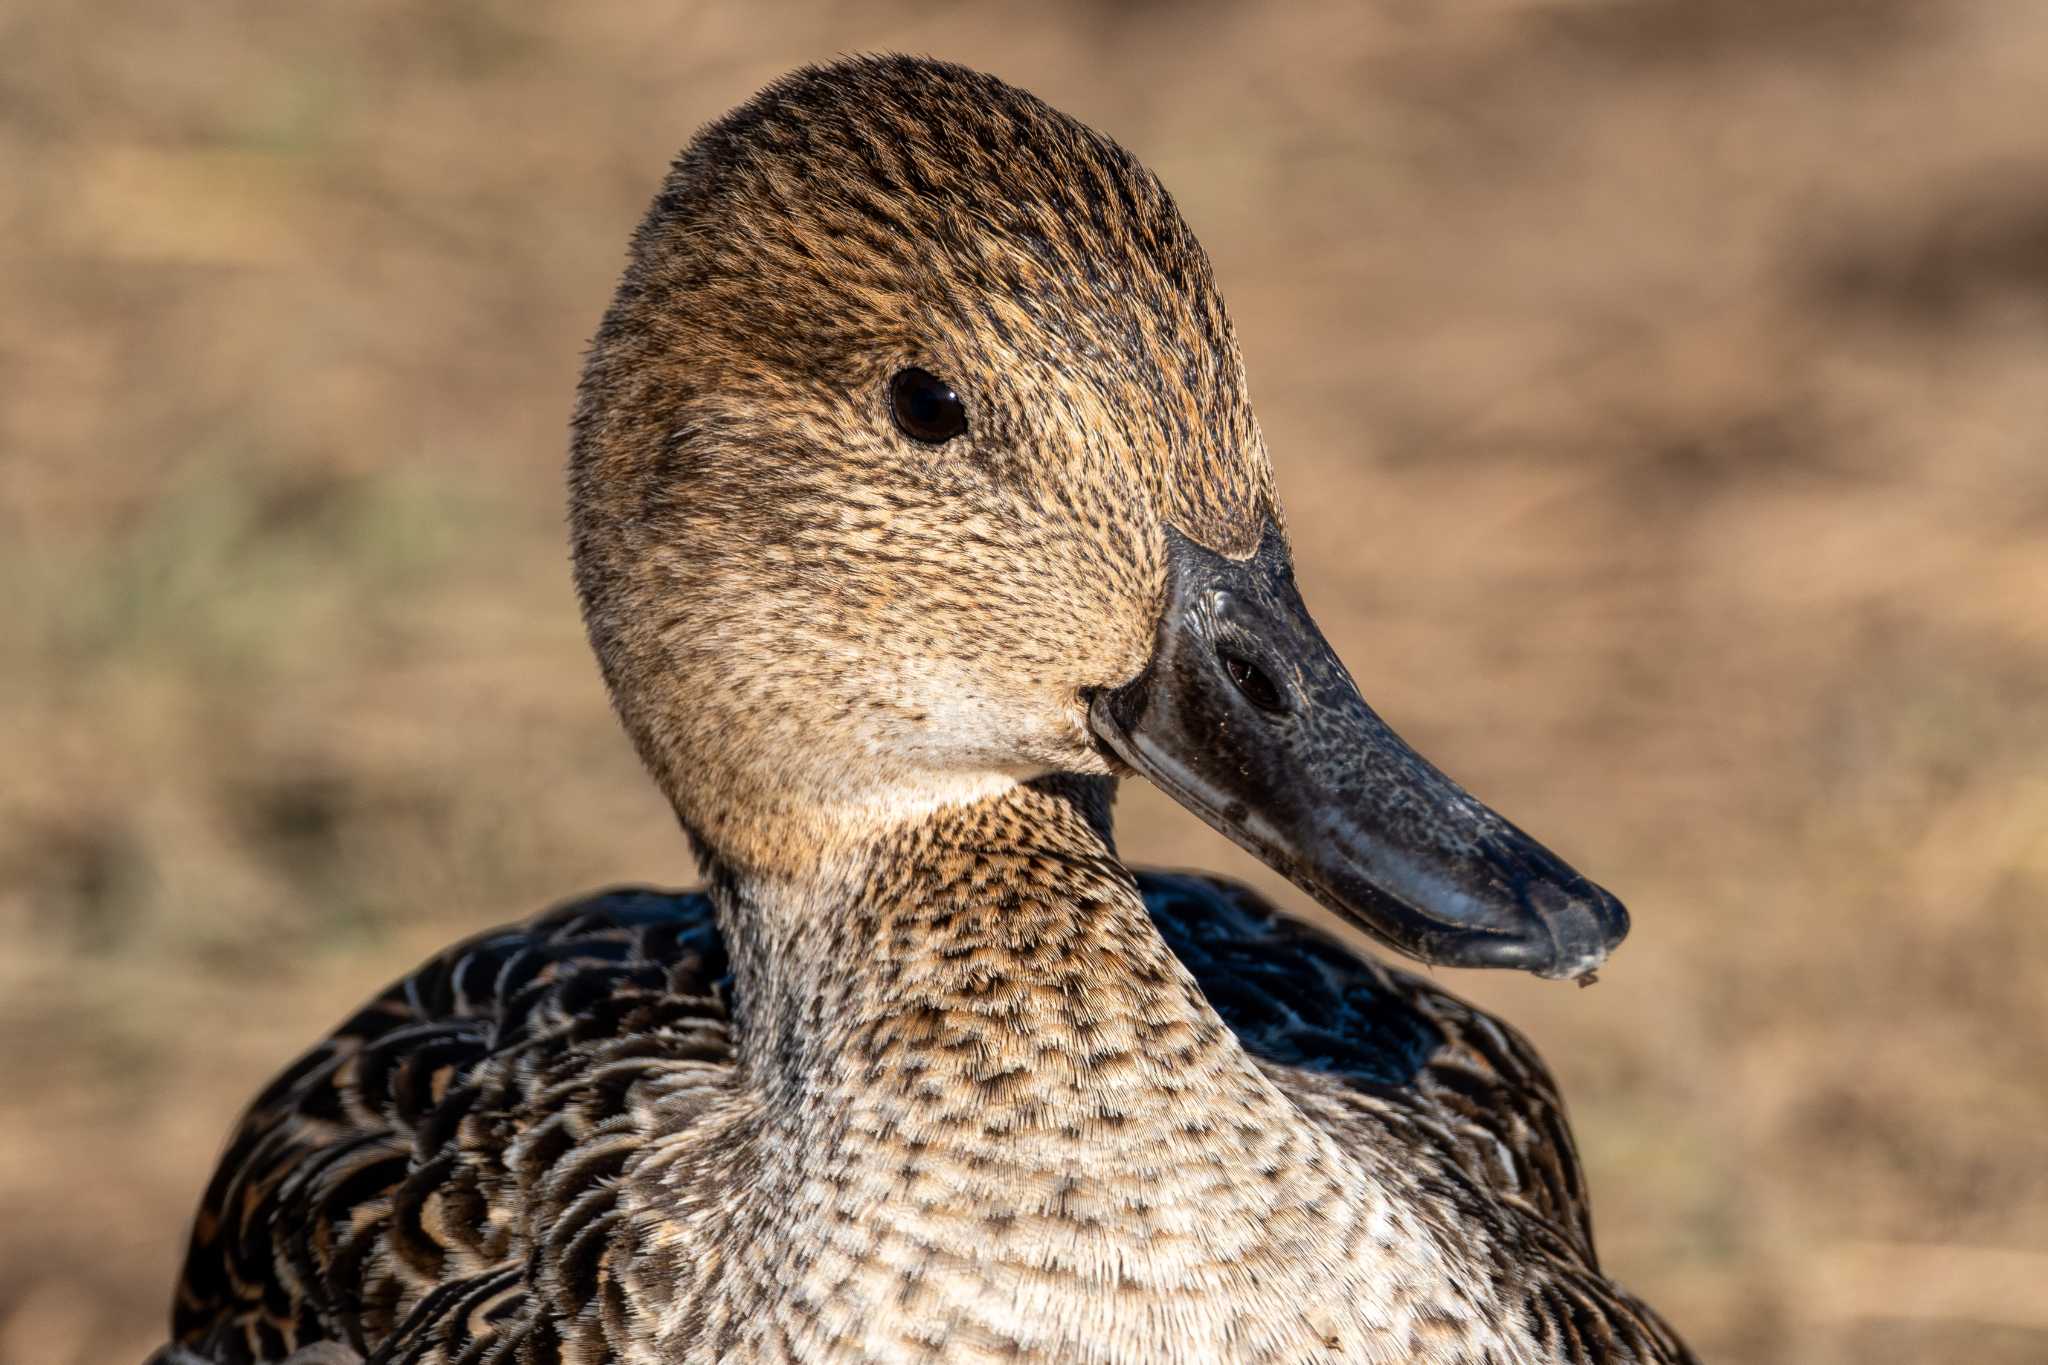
x: 1658, y: 388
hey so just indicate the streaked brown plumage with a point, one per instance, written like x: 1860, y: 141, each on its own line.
x: 925, y: 1073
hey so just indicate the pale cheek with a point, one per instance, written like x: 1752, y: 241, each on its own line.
x: 955, y: 719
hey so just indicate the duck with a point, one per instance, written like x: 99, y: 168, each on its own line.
x: 916, y: 500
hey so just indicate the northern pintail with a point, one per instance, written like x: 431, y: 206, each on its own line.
x: 916, y: 498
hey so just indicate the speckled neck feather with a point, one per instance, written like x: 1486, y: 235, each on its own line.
x: 984, y: 1092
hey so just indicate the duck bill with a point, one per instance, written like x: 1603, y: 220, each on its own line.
x: 1246, y: 717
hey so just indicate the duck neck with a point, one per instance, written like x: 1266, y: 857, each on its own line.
x: 975, y: 1078
x: 991, y: 968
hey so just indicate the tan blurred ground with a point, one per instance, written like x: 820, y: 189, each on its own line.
x: 1660, y: 393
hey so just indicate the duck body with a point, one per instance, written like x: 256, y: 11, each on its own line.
x: 916, y: 500
x: 1027, y: 1107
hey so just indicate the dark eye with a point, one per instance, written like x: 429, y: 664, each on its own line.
x: 1251, y: 681
x: 926, y: 407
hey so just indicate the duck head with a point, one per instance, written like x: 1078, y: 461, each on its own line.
x: 914, y: 460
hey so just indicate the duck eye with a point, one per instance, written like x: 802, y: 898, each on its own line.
x: 925, y: 407
x: 1251, y: 681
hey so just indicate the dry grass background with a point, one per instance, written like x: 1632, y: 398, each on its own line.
x: 1660, y: 393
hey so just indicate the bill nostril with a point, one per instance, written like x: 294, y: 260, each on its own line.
x: 1251, y: 681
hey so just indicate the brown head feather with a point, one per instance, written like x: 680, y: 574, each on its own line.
x: 808, y: 619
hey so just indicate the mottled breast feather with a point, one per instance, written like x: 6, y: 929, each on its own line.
x: 434, y: 1183
x: 430, y: 1182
